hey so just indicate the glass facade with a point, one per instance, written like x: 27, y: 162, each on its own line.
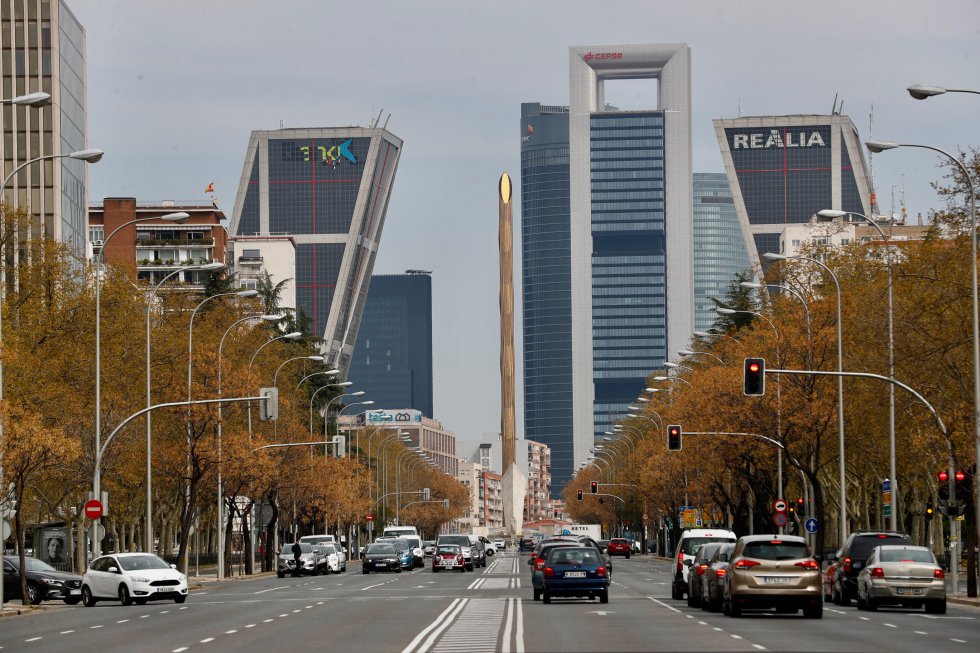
x: 392, y: 362
x: 719, y: 248
x: 546, y: 283
x: 72, y: 121
x: 629, y: 260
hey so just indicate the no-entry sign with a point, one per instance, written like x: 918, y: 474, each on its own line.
x: 93, y: 509
x: 369, y: 517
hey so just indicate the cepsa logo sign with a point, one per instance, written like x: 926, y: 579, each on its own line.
x: 598, y: 56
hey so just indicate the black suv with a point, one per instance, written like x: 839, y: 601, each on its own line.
x: 852, y: 557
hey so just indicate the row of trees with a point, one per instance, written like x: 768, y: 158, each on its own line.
x: 736, y: 475
x: 48, y: 411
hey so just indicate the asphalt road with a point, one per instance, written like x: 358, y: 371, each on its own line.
x: 490, y: 610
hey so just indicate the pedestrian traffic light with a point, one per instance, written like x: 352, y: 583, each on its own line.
x: 930, y: 511
x: 556, y: 514
x: 594, y: 487
x: 754, y: 377
x: 580, y: 493
x: 674, y: 437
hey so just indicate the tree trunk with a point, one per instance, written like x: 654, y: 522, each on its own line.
x: 186, y: 518
x: 270, y: 531
x: 19, y: 536
x: 229, y: 527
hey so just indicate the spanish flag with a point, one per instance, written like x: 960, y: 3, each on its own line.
x: 210, y: 188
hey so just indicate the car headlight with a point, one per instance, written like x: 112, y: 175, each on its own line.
x: 139, y: 579
x: 182, y: 578
x: 52, y: 581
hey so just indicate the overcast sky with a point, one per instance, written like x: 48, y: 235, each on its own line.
x: 175, y: 88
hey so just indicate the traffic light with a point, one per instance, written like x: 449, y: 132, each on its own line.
x: 269, y: 404
x: 556, y: 514
x: 791, y: 508
x: 799, y: 503
x: 930, y: 511
x: 754, y: 377
x: 580, y: 493
x: 594, y: 487
x: 674, y: 437
x: 963, y: 491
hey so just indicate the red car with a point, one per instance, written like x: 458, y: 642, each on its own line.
x: 448, y: 556
x: 619, y: 546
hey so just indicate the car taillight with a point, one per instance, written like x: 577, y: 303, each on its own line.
x: 701, y: 569
x: 746, y: 564
x: 846, y: 563
x: 680, y: 562
x: 877, y: 572
x: 720, y: 573
x: 549, y: 572
x: 539, y: 563
x: 808, y: 564
x: 601, y: 572
x: 938, y: 573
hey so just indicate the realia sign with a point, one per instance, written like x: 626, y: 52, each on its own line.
x: 777, y: 138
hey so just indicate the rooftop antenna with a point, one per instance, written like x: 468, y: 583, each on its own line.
x: 904, y: 213
x: 833, y: 111
x: 378, y: 119
x: 385, y: 126
x: 282, y: 124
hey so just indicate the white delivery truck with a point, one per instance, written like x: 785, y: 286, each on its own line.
x: 592, y: 530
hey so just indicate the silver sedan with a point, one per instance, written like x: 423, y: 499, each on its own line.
x: 902, y: 575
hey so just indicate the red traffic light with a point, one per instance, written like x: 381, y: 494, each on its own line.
x: 799, y: 501
x: 943, y: 476
x: 753, y: 367
x: 959, y: 475
x: 594, y: 487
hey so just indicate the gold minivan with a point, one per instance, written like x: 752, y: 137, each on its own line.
x: 773, y: 571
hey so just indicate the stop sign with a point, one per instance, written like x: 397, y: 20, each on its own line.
x: 369, y: 517
x: 93, y: 509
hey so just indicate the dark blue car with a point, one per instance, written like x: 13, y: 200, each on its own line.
x: 575, y: 571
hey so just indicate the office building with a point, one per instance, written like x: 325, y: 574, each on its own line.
x: 432, y: 438
x: 328, y: 189
x: 157, y: 249
x: 783, y: 169
x: 42, y: 48
x: 719, y: 248
x: 609, y: 293
x: 254, y: 257
x: 392, y: 362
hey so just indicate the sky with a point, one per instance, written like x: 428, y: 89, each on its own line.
x: 176, y: 87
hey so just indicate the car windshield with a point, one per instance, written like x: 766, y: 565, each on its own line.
x: 304, y: 547
x: 329, y: 548
x: 907, y: 555
x: 449, y: 549
x: 776, y: 550
x: 691, y: 545
x: 138, y: 563
x: 381, y: 548
x: 572, y: 556
x: 862, y: 546
x: 315, y: 539
x: 33, y: 564
x: 461, y: 540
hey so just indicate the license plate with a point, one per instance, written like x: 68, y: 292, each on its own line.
x: 75, y: 592
x: 574, y: 574
x: 908, y: 591
x: 776, y: 580
x: 445, y: 563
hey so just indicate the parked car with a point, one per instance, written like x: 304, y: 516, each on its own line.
x: 902, y: 575
x: 687, y: 547
x: 132, y: 577
x: 852, y: 557
x: 500, y: 544
x: 698, y: 567
x: 381, y: 556
x: 429, y: 547
x: 448, y: 556
x: 44, y: 582
x: 488, y: 546
x: 537, y: 562
x: 574, y: 571
x: 828, y: 579
x: 619, y: 547
x: 309, y: 560
x: 333, y: 558
x: 713, y: 581
x: 773, y: 571
x: 463, y: 541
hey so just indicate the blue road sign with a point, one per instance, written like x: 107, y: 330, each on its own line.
x: 886, y: 485
x: 565, y: 531
x: 810, y: 525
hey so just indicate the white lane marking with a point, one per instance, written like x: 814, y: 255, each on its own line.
x: 508, y: 624
x: 179, y: 650
x: 207, y: 639
x: 919, y: 632
x: 454, y: 607
x: 283, y: 615
x: 717, y: 628
x: 669, y: 607
x: 164, y: 611
x: 32, y: 639
x: 308, y: 607
x: 958, y: 641
x: 271, y: 589
x: 372, y: 586
x: 144, y: 616
x: 66, y: 632
x: 319, y: 602
x: 265, y: 621
x: 864, y: 618
x: 296, y: 610
x: 837, y: 611
x: 230, y: 632
x: 519, y: 604
x: 736, y: 637
x: 94, y: 627
x: 122, y: 621
x: 890, y: 625
x: 183, y: 608
x: 703, y: 623
x: 760, y: 647
x: 250, y: 626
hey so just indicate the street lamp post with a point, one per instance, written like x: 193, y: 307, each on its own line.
x: 342, y: 384
x: 892, y: 468
x: 99, y: 262
x: 840, y: 385
x: 148, y: 535
x: 369, y: 402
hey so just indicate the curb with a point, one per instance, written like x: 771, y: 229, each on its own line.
x: 20, y: 611
x: 963, y: 600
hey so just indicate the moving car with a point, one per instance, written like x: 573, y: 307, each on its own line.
x: 773, y: 571
x: 448, y: 556
x: 574, y: 571
x: 852, y: 557
x: 500, y: 544
x: 418, y: 554
x: 429, y: 547
x: 687, y: 547
x: 132, y: 577
x: 381, y: 556
x: 463, y: 541
x: 44, y: 582
x: 713, y: 581
x: 619, y: 547
x: 406, y: 552
x: 902, y: 575
x: 309, y: 560
x: 537, y: 562
x: 698, y: 567
x: 333, y: 558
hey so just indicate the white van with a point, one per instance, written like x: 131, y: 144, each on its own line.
x: 400, y: 531
x: 687, y: 547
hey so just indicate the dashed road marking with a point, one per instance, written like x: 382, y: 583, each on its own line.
x: 890, y: 625
x: 250, y: 626
x: 736, y: 637
x: 144, y: 616
x: 265, y: 621
x: 66, y: 632
x: 207, y: 639
x: 32, y: 639
x: 179, y: 650
x: 283, y: 615
x: 94, y: 627
x: 864, y: 618
x: 958, y: 641
x: 919, y: 632
x: 230, y: 632
x: 122, y: 621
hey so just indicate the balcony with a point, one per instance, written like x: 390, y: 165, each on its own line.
x: 250, y: 260
x: 175, y: 242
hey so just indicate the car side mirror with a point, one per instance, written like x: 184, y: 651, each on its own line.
x: 173, y: 566
x: 113, y: 570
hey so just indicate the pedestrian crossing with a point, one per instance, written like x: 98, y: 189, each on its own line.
x: 476, y: 629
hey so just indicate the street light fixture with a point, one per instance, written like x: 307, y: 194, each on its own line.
x: 924, y: 91
x: 37, y: 99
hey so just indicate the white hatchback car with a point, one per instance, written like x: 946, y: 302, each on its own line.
x: 132, y: 578
x: 687, y: 547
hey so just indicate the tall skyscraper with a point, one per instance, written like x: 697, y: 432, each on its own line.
x: 328, y: 188
x: 719, y: 249
x: 392, y: 362
x: 624, y: 276
x: 42, y: 48
x: 783, y: 169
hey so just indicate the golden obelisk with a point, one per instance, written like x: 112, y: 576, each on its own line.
x: 514, y: 483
